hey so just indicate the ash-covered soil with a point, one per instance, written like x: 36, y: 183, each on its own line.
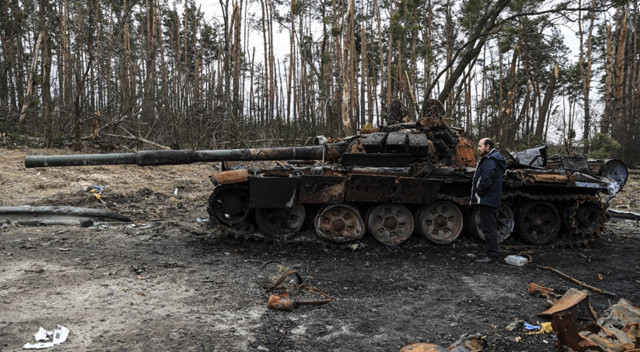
x: 167, y: 282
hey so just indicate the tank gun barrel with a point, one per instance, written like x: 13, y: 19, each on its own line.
x: 175, y: 157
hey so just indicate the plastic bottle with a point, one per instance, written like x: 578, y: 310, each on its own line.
x: 516, y: 260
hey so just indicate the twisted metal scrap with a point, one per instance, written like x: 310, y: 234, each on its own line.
x: 616, y: 331
x: 288, y: 296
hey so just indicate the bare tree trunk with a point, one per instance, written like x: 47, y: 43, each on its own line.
x: 478, y: 38
x: 381, y: 55
x: 548, y: 97
x: 605, y: 123
x: 46, y: 75
x: 347, y: 98
x: 32, y: 71
x: 364, y: 79
x: 266, y: 66
x: 292, y: 65
x: 585, y: 72
x: 338, y: 100
x: 618, y: 86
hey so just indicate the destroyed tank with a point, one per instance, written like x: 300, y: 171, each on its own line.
x: 392, y: 182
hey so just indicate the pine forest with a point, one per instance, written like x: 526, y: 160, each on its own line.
x: 151, y: 74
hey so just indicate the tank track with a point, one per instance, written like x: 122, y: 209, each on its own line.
x: 574, y: 233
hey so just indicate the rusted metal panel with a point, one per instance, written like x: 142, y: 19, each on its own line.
x: 551, y: 178
x: 416, y: 190
x: 568, y: 332
x: 318, y: 189
x: 228, y: 177
x: 465, y: 152
x: 574, y: 301
x: 596, y: 166
x: 371, y: 188
x: 617, y: 330
x: 272, y: 192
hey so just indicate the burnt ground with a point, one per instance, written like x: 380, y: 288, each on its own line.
x: 167, y: 282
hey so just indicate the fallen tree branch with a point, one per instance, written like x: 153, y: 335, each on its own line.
x: 256, y: 141
x: 61, y: 211
x: 143, y: 140
x: 279, y: 341
x: 592, y: 288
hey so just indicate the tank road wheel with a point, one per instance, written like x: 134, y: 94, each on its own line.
x: 506, y: 222
x: 339, y: 223
x: 229, y: 205
x: 440, y: 222
x: 390, y: 224
x: 589, y: 219
x: 538, y: 222
x: 280, y: 223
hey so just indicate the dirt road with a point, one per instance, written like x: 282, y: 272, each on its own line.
x: 167, y: 282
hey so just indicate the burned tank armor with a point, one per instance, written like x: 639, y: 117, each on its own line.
x: 392, y: 182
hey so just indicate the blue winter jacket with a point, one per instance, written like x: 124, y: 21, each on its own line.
x: 487, y: 180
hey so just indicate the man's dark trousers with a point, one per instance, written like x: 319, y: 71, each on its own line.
x: 489, y: 221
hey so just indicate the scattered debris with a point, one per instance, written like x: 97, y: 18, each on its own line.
x: 592, y: 288
x: 281, y: 301
x: 97, y: 192
x: 35, y: 269
x: 466, y: 343
x: 575, y: 302
x: 469, y: 343
x: 542, y: 290
x: 531, y: 327
x: 149, y: 225
x: 617, y: 330
x: 514, y: 324
x: 423, y: 347
x: 138, y: 269
x: 516, y: 260
x: 551, y: 296
x: 48, y: 338
x: 544, y: 328
x: 290, y: 290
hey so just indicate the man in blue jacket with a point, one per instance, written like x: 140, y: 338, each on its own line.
x: 486, y: 193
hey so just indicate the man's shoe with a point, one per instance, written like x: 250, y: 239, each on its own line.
x: 486, y: 260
